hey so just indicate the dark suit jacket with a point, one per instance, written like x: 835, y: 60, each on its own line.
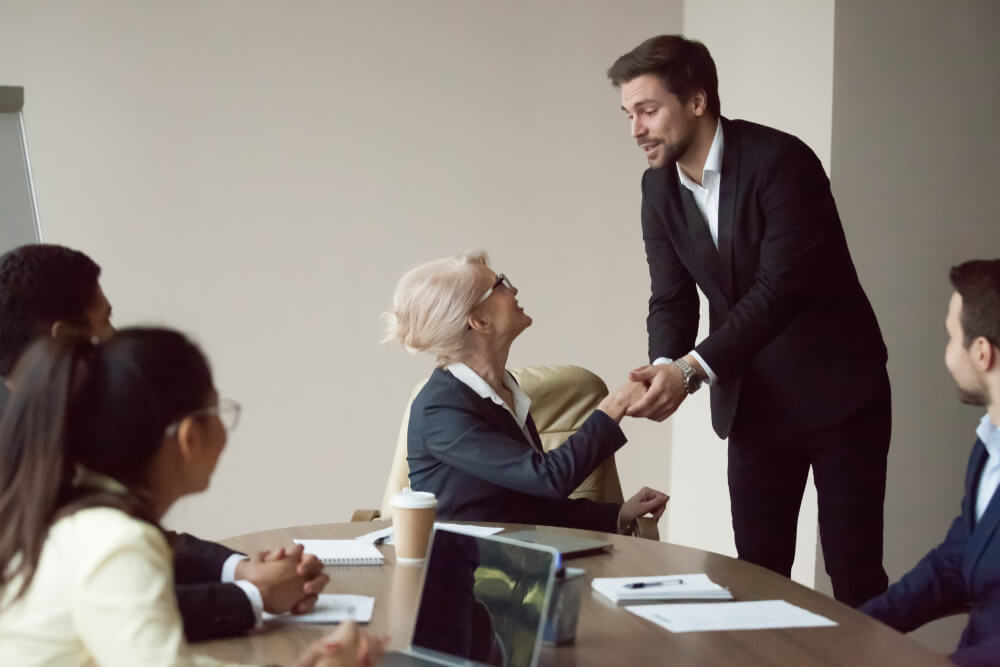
x: 961, y: 572
x: 472, y: 455
x: 208, y: 607
x: 794, y: 340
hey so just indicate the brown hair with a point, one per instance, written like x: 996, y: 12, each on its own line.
x: 683, y: 65
x: 978, y: 283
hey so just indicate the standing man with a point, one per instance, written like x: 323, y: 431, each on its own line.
x: 963, y: 572
x: 795, y: 358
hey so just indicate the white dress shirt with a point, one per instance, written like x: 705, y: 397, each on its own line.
x: 706, y: 196
x: 989, y: 480
x: 522, y: 404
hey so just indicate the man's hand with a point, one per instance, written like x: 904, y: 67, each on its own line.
x: 311, y: 570
x: 647, y: 501
x: 665, y: 393
x: 287, y: 581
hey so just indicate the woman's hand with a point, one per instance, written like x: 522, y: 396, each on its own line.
x: 617, y: 403
x: 647, y: 501
x: 347, y: 646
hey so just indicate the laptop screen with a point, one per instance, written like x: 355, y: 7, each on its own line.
x: 483, y: 599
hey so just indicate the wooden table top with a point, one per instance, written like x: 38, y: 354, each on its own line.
x: 606, y: 634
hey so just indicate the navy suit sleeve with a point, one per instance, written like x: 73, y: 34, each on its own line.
x: 578, y: 513
x: 211, y: 610
x: 983, y: 654
x: 197, y: 560
x: 458, y: 436
x: 932, y: 589
x: 801, y: 217
x: 672, y: 323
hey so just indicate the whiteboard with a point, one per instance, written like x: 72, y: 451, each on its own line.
x: 18, y: 215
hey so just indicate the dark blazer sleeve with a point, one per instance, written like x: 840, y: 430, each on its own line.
x: 936, y: 586
x: 801, y: 216
x: 983, y: 654
x: 672, y: 323
x: 932, y: 589
x: 459, y: 437
x: 197, y: 560
x: 209, y: 608
x: 578, y: 513
x: 212, y: 610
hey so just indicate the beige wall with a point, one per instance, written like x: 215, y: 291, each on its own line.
x: 259, y: 174
x: 751, y: 43
x: 915, y: 150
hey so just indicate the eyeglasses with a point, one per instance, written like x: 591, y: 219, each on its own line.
x: 227, y: 410
x: 501, y: 280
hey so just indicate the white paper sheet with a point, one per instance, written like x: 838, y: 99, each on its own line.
x: 465, y: 529
x: 708, y: 616
x: 331, y: 609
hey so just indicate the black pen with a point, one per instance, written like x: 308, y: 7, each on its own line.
x: 380, y: 540
x: 648, y: 584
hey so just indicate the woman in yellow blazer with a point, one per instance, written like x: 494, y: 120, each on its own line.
x: 96, y: 444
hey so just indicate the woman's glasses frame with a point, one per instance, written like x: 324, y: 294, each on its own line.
x: 227, y: 410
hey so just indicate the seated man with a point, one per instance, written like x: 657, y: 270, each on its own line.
x: 48, y: 290
x: 963, y: 572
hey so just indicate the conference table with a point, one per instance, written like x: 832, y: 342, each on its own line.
x: 607, y: 634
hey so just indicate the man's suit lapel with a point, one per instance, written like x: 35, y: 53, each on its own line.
x: 727, y: 200
x: 705, y: 266
x: 983, y: 530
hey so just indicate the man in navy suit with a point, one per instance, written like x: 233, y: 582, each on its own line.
x: 794, y: 357
x: 963, y: 572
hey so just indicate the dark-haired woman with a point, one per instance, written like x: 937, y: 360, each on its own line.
x: 95, y: 445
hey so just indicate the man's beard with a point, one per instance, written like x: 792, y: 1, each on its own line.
x: 672, y: 152
x: 970, y: 397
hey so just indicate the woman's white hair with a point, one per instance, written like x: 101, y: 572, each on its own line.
x: 431, y: 305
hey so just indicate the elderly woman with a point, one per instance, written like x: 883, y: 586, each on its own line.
x: 471, y: 439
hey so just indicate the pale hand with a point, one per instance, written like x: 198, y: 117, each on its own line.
x: 616, y: 404
x: 665, y: 391
x: 347, y: 646
x: 647, y: 501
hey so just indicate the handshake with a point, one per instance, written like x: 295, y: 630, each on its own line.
x: 652, y: 391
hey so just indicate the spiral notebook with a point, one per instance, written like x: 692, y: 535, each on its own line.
x: 343, y: 552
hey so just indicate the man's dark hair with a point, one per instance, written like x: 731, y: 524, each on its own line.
x: 40, y: 285
x: 684, y: 66
x: 978, y: 283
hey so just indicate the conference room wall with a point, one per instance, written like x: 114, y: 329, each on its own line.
x: 259, y: 174
x: 915, y: 148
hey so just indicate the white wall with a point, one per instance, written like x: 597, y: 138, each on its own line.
x: 775, y: 64
x: 915, y: 150
x: 259, y: 174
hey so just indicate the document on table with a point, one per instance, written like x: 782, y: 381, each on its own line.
x: 331, y: 609
x: 704, y: 617
x: 385, y: 534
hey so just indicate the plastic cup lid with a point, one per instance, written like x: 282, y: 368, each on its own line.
x: 414, y: 499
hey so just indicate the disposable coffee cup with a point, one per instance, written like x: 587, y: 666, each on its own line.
x: 412, y: 521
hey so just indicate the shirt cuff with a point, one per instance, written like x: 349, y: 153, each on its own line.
x: 229, y: 568
x: 712, y: 377
x: 256, y: 601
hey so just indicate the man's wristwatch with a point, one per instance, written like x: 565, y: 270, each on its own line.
x: 692, y: 381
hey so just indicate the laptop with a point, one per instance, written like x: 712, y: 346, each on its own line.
x: 568, y: 546
x: 483, y: 601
